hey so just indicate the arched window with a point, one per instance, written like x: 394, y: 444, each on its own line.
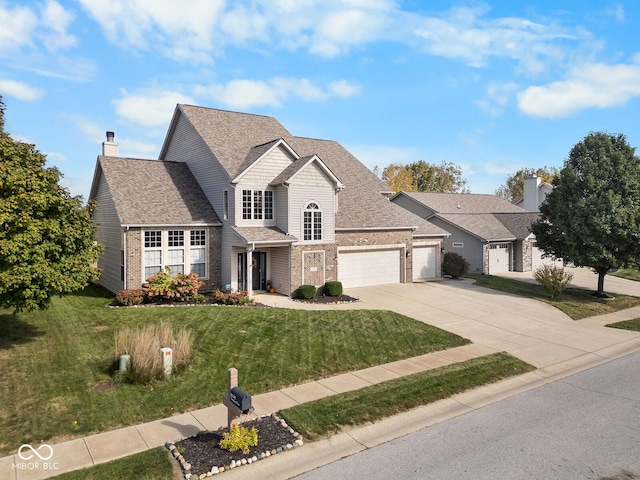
x: 312, y: 222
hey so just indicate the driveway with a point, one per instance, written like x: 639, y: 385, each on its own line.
x: 528, y: 329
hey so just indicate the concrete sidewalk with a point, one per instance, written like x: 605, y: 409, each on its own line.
x: 532, y: 331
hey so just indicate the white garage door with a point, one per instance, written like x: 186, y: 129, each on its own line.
x: 370, y: 267
x: 498, y: 257
x: 537, y: 259
x: 424, y: 262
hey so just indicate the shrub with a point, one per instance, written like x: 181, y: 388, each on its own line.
x: 239, y: 438
x: 235, y: 298
x: 127, y: 298
x: 166, y: 286
x: 306, y: 291
x: 333, y: 289
x: 454, y: 265
x: 143, y: 345
x: 554, y: 279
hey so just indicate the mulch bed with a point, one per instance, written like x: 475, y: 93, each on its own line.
x: 202, y: 453
x: 327, y: 300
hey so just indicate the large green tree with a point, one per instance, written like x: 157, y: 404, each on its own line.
x: 47, y: 237
x: 592, y: 216
x: 513, y: 187
x: 421, y: 176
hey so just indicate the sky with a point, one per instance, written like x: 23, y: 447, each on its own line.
x: 492, y: 86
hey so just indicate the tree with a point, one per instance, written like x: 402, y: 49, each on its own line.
x: 398, y: 178
x: 514, y: 184
x: 47, y: 237
x: 592, y: 216
x: 421, y: 176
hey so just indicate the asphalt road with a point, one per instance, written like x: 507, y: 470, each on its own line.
x: 586, y: 426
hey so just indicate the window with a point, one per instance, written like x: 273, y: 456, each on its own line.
x: 257, y: 204
x: 152, y: 253
x: 167, y: 248
x: 225, y: 204
x: 312, y: 222
x: 246, y: 204
x: 268, y: 205
x: 198, y: 253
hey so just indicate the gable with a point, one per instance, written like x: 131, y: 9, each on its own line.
x: 268, y: 166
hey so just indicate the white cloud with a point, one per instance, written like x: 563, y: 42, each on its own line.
x: 595, y: 85
x: 616, y: 11
x: 24, y: 27
x: 497, y: 98
x: 466, y: 34
x: 20, y: 90
x: 244, y: 93
x: 56, y: 20
x: 152, y: 107
x: 18, y: 25
x: 344, y: 88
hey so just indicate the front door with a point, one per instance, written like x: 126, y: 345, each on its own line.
x: 258, y: 271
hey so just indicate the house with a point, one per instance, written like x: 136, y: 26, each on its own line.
x: 492, y: 234
x: 242, y: 202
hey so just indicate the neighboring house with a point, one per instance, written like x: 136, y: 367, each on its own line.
x: 241, y: 201
x: 492, y: 234
x: 535, y: 192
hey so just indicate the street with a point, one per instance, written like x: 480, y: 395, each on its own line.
x: 586, y: 426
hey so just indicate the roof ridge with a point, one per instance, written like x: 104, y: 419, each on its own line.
x: 200, y: 107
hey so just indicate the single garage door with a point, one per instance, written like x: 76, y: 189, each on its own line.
x: 370, y: 267
x: 537, y: 259
x: 498, y: 257
x: 424, y: 262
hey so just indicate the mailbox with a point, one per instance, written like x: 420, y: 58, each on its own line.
x: 240, y: 399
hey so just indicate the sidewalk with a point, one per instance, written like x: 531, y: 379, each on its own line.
x: 532, y: 331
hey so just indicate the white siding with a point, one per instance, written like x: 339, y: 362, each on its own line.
x: 109, y: 235
x: 268, y: 168
x: 299, y: 196
x: 280, y: 269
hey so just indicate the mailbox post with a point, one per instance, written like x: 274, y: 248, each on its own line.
x: 236, y: 400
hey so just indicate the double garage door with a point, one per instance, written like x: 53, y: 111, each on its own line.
x: 360, y: 268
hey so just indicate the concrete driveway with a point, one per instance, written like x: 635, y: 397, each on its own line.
x: 528, y: 329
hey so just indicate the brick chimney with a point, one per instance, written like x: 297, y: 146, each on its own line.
x: 110, y: 147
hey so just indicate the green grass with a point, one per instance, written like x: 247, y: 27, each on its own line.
x: 628, y: 273
x: 329, y: 415
x: 633, y: 324
x: 575, y: 302
x: 52, y: 360
x: 153, y: 464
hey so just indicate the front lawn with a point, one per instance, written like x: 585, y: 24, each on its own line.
x: 633, y: 324
x: 575, y: 302
x: 628, y: 273
x: 367, y: 405
x: 57, y: 365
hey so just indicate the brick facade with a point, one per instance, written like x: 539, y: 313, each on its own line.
x: 313, y: 263
x: 372, y: 238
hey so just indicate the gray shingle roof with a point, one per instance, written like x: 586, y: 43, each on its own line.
x: 493, y: 226
x: 233, y: 137
x: 264, y: 235
x: 518, y: 223
x: 463, y: 202
x: 152, y: 192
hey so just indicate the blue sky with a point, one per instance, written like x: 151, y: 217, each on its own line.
x: 492, y: 86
